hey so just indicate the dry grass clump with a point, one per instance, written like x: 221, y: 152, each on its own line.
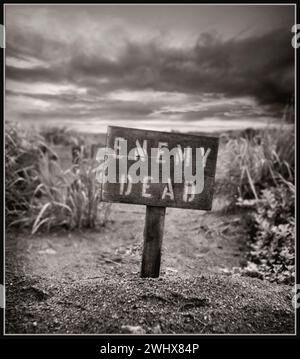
x: 249, y: 164
x: 40, y: 194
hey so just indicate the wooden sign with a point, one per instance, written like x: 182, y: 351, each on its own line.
x: 158, y: 169
x: 161, y: 193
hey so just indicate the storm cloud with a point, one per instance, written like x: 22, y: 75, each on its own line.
x: 149, y: 77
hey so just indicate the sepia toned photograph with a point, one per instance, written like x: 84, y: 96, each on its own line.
x: 149, y: 163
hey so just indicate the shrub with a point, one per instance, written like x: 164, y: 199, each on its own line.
x: 258, y: 173
x: 272, y: 247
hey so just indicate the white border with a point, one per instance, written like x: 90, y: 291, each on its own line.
x: 4, y: 246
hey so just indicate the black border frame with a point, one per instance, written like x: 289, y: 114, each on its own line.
x: 37, y: 346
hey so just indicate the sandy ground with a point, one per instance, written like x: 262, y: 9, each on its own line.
x: 88, y: 282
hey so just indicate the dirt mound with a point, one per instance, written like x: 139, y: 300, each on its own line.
x: 88, y: 282
x: 206, y: 304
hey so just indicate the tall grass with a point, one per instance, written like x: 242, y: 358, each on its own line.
x: 250, y: 164
x: 21, y: 158
x: 41, y: 195
x: 71, y: 198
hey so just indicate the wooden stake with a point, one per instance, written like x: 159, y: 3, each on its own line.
x: 153, y: 235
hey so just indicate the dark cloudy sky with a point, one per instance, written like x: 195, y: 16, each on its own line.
x: 182, y: 67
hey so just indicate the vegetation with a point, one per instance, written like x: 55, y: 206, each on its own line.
x: 68, y: 198
x: 260, y: 177
x: 21, y: 158
x: 40, y: 194
x: 61, y: 136
x: 250, y: 163
x: 272, y: 250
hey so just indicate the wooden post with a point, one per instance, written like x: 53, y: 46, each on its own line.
x: 153, y: 235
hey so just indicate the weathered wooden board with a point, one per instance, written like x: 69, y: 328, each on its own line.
x: 153, y: 193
